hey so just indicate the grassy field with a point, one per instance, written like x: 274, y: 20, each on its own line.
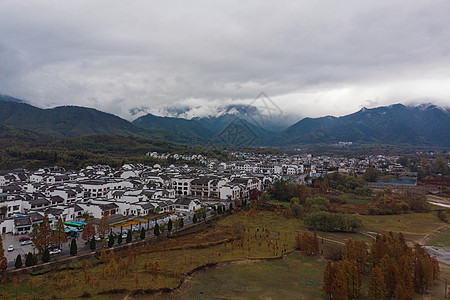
x: 294, y: 277
x: 415, y: 226
x: 266, y: 235
x: 441, y: 240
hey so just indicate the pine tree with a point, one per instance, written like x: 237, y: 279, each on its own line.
x: 142, y: 234
x: 18, y: 263
x: 59, y: 234
x: 46, y: 256
x: 169, y: 225
x: 119, y: 239
x: 129, y: 236
x: 103, y: 227
x: 181, y: 223
x: 156, y: 230
x: 29, y: 260
x: 111, y: 240
x: 194, y: 219
x: 353, y: 278
x: 88, y: 232
x: 44, y: 236
x: 328, y: 279
x: 3, y: 261
x: 377, y: 285
x: 92, y: 244
x: 73, y: 247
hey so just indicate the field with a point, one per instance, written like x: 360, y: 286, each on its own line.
x: 264, y: 259
x: 441, y: 240
x: 414, y: 226
x: 294, y: 277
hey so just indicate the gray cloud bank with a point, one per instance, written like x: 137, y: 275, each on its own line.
x: 312, y: 58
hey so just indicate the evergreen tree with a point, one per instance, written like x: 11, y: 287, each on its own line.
x: 169, y: 225
x: 119, y: 239
x: 142, y: 235
x: 46, y: 256
x: 18, y: 263
x: 111, y: 240
x: 194, y: 219
x: 219, y: 210
x: 73, y: 247
x: 156, y: 230
x: 129, y: 236
x: 29, y: 260
x: 92, y: 244
x: 181, y: 223
x: 3, y: 261
x: 231, y: 207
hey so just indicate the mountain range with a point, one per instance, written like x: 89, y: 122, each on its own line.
x: 238, y: 126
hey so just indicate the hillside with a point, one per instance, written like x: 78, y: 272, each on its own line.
x: 394, y: 124
x: 73, y: 121
x: 188, y: 128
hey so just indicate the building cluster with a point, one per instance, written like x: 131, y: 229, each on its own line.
x: 138, y: 190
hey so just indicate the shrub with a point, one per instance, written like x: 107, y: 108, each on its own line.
x: 18, y: 263
x: 46, y: 256
x: 326, y: 221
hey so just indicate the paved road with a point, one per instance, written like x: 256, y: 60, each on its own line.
x: 82, y: 246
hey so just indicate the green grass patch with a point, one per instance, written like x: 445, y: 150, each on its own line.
x: 441, y: 240
x: 280, y: 203
x: 414, y: 226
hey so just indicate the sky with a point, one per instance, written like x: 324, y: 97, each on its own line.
x: 311, y: 58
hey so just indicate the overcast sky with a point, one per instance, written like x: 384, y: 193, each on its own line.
x: 312, y: 58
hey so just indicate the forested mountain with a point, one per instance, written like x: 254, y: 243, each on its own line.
x: 394, y: 124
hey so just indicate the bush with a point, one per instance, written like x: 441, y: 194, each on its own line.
x: 170, y: 225
x: 111, y: 240
x: 443, y: 216
x: 156, y: 230
x: 18, y: 263
x: 129, y: 236
x: 46, y: 256
x: 326, y: 221
x: 92, y: 244
x: 29, y: 260
x: 119, y: 239
x: 73, y: 247
x: 142, y: 234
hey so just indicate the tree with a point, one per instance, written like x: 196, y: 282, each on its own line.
x: 119, y: 239
x: 88, y: 232
x: 129, y: 236
x: 194, y: 219
x: 46, y: 256
x: 156, y: 229
x: 3, y: 261
x: 103, y: 227
x: 59, y: 234
x: 18, y: 263
x: 181, y: 223
x: 377, y: 285
x: 169, y: 225
x: 328, y: 279
x: 42, y: 236
x: 92, y: 244
x: 73, y: 247
x: 111, y: 240
x: 142, y: 234
x: 29, y: 260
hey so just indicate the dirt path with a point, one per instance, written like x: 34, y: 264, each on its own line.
x: 426, y: 239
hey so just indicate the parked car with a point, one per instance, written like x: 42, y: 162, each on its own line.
x: 24, y: 238
x: 26, y: 242
x: 11, y: 248
x: 55, y: 251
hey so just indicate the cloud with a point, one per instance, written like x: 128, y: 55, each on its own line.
x: 312, y: 58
